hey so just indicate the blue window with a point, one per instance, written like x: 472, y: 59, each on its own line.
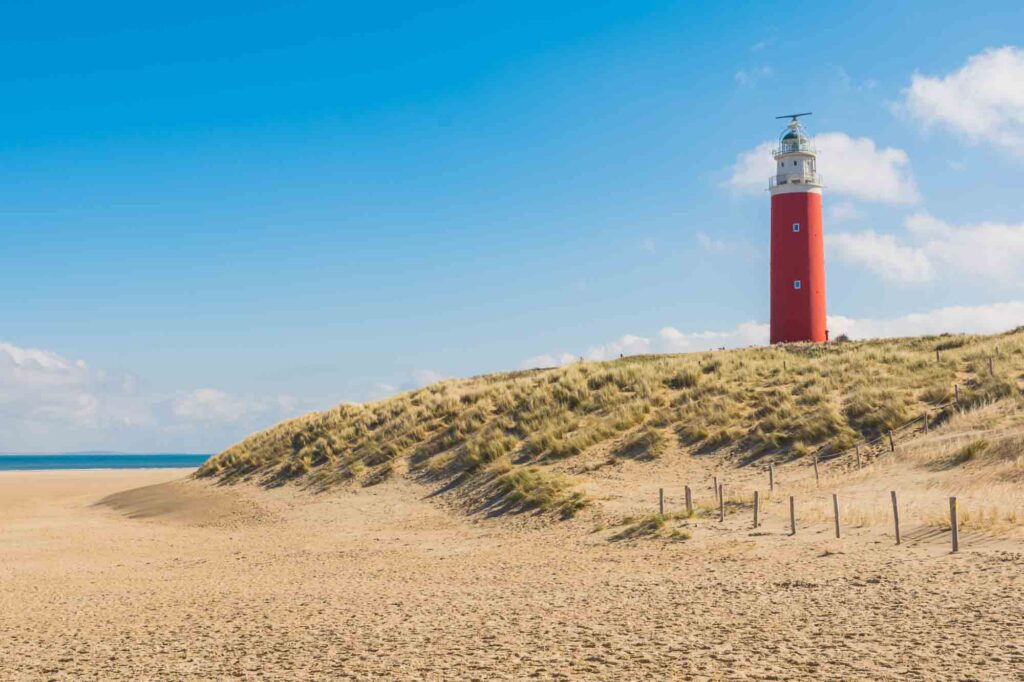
x: 796, y: 284
x: 796, y: 227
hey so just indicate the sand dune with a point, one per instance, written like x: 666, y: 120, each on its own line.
x: 184, y: 502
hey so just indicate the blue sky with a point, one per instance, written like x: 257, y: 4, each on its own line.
x: 215, y: 217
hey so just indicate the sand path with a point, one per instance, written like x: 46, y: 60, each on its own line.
x: 182, y: 581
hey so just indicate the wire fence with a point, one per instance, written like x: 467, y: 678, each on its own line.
x: 941, y: 410
x: 825, y: 454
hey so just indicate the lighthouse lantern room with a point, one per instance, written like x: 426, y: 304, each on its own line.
x: 797, y: 251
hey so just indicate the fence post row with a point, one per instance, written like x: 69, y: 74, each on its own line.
x: 719, y: 489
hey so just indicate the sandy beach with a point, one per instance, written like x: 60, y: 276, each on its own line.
x: 180, y: 579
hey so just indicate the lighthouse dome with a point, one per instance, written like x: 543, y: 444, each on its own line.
x: 794, y: 139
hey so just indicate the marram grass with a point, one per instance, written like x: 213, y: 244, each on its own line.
x: 783, y: 401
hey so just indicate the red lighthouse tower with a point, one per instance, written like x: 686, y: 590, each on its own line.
x: 797, y: 254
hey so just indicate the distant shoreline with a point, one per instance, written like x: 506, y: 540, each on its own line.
x: 98, y: 470
x: 79, y: 462
x: 103, y: 453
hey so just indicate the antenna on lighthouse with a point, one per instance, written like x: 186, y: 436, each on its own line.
x: 796, y: 116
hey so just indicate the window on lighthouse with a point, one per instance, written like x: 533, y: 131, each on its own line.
x: 796, y: 227
x: 796, y: 284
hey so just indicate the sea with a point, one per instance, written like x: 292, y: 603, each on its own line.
x: 100, y: 461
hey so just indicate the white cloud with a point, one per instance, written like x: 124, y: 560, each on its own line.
x: 988, y: 251
x: 49, y: 402
x: 752, y: 169
x: 881, y: 254
x: 982, y: 319
x: 548, y: 360
x: 983, y: 101
x: 667, y: 340
x: 850, y: 166
x: 625, y: 345
x: 672, y: 340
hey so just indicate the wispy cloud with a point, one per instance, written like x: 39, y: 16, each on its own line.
x: 712, y: 245
x: 748, y: 77
x: 843, y: 212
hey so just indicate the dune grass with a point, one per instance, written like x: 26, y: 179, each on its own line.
x: 780, y: 401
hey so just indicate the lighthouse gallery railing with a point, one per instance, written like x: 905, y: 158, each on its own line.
x: 795, y: 179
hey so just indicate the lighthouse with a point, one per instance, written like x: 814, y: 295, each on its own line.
x: 797, y: 250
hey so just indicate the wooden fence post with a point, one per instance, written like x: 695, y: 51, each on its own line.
x: 895, y: 515
x: 817, y: 479
x: 991, y: 371
x: 926, y: 421
x: 721, y: 502
x: 757, y: 507
x: 892, y: 443
x: 835, y: 510
x: 954, y: 524
x: 689, y: 502
x: 716, y: 485
x: 936, y: 355
x: 792, y: 515
x: 661, y: 501
x: 956, y: 395
x: 858, y: 455
x: 771, y: 476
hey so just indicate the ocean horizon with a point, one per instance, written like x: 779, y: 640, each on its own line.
x: 76, y: 460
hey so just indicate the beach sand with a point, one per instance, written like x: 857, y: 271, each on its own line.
x: 179, y: 579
